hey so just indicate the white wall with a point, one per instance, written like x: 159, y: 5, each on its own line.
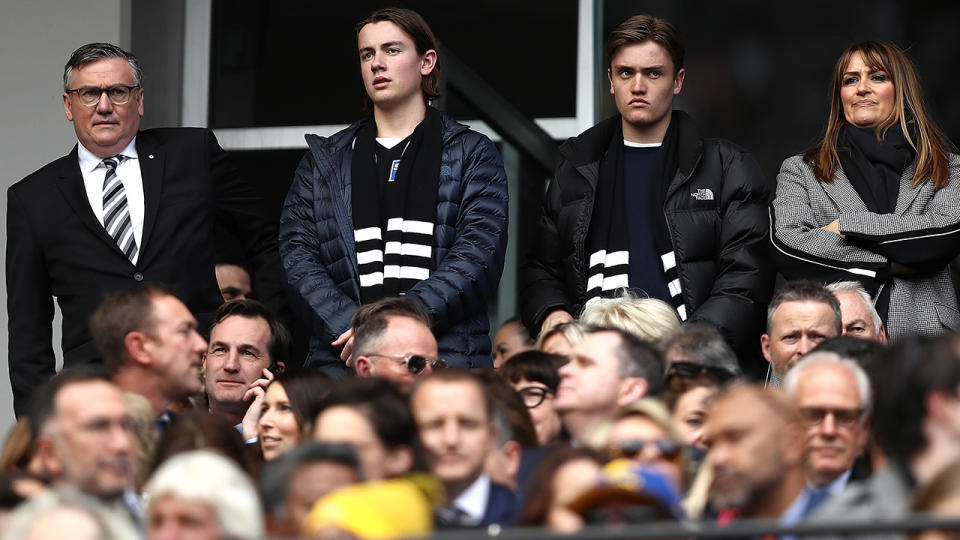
x: 36, y: 37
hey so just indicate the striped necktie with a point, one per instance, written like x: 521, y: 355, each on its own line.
x: 116, y: 214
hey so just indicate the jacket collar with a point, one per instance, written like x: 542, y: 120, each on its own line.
x: 151, y: 156
x: 591, y: 145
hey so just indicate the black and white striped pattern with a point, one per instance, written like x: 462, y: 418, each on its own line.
x: 607, y: 272
x: 116, y: 213
x: 610, y: 272
x: 672, y: 276
x: 401, y: 253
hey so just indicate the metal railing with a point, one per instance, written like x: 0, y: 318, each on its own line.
x: 737, y: 529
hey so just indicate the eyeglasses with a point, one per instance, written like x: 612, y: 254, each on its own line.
x: 633, y: 448
x: 534, y: 395
x: 689, y: 370
x: 814, y: 416
x: 414, y: 363
x: 118, y: 94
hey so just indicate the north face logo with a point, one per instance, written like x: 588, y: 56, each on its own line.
x: 702, y: 194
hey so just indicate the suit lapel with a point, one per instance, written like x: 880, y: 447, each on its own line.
x: 907, y: 193
x: 70, y: 184
x: 843, y: 194
x: 151, y: 159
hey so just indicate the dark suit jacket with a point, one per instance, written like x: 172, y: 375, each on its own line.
x: 501, y: 506
x: 57, y: 248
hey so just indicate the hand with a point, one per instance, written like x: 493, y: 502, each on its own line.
x: 256, y: 391
x: 834, y: 227
x: 557, y: 316
x: 345, y: 339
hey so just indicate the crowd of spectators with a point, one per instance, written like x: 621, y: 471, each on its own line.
x: 639, y: 422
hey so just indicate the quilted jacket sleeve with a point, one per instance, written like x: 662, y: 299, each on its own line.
x: 543, y: 273
x: 802, y: 247
x: 744, y: 278
x: 468, y: 274
x: 308, y: 276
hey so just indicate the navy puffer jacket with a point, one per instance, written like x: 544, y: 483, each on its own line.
x: 320, y: 259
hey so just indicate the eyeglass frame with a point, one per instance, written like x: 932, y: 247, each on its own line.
x: 435, y: 364
x: 130, y: 88
x: 542, y: 390
x: 822, y: 412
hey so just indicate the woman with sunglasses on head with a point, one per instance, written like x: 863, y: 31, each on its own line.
x: 535, y: 376
x: 877, y: 201
x: 285, y: 413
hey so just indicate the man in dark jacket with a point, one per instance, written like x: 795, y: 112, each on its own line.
x: 406, y: 203
x: 641, y: 201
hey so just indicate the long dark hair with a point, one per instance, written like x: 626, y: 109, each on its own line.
x: 910, y: 112
x: 305, y: 390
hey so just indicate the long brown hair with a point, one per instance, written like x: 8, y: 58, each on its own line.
x: 413, y: 24
x: 926, y: 138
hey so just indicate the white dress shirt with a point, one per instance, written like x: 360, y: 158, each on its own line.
x: 128, y: 171
x: 473, y: 500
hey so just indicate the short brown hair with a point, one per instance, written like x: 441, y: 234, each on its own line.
x: 118, y: 315
x: 419, y: 31
x: 640, y: 28
x: 279, y: 345
x: 370, y: 321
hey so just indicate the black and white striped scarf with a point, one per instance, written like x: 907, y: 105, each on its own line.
x: 393, y: 219
x: 607, y: 241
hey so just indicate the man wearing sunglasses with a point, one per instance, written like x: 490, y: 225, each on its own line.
x: 834, y: 399
x: 392, y: 339
x: 124, y: 208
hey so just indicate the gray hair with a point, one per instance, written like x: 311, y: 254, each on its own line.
x: 91, y: 52
x: 803, y: 290
x: 855, y: 288
x: 38, y: 511
x: 205, y: 477
x: 702, y: 344
x: 792, y: 379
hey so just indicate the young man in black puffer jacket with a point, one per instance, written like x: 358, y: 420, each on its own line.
x: 642, y: 201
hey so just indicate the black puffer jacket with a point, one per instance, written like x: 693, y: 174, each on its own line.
x: 716, y: 213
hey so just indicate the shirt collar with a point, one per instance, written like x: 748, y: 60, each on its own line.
x: 473, y: 500
x: 89, y: 161
x: 838, y: 483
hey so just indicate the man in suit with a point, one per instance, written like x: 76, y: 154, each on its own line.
x: 123, y: 208
x: 832, y: 394
x: 454, y: 416
x: 149, y: 341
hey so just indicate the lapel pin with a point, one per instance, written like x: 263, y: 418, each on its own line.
x: 150, y: 156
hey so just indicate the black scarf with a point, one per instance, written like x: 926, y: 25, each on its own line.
x: 401, y: 212
x: 873, y: 166
x: 608, y: 225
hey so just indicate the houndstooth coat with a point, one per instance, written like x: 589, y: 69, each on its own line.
x: 923, y: 234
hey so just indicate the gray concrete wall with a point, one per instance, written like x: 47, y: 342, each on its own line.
x: 36, y: 37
